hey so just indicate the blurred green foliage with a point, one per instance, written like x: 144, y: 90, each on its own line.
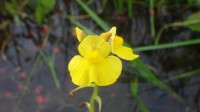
x: 42, y: 8
x: 194, y: 2
x: 11, y: 7
x: 195, y: 17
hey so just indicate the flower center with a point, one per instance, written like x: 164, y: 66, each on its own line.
x: 94, y: 56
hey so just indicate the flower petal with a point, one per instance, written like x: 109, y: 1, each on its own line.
x: 94, y: 42
x: 117, y: 42
x: 106, y: 36
x: 122, y: 51
x: 113, y: 31
x: 106, y: 72
x: 80, y: 34
x: 79, y: 71
x: 125, y: 53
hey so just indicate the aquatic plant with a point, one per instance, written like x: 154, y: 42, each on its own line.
x: 96, y: 65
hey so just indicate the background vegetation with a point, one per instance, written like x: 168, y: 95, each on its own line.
x: 37, y: 40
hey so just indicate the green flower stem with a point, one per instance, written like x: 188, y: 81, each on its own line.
x: 78, y: 88
x: 93, y: 98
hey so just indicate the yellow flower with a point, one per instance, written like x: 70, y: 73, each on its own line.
x: 95, y: 64
x: 117, y: 45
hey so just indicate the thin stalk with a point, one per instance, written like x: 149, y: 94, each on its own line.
x: 115, y: 5
x: 140, y: 104
x: 93, y: 98
x: 51, y: 64
x: 152, y: 19
x: 183, y: 75
x: 121, y: 6
x: 93, y: 15
x: 130, y: 7
x: 77, y: 23
x: 54, y: 74
x: 160, y: 33
x: 167, y: 45
x: 175, y: 24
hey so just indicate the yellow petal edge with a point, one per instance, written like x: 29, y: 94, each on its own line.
x: 80, y: 34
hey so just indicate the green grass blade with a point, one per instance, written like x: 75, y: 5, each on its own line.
x: 140, y: 104
x: 134, y: 87
x: 78, y: 24
x: 96, y: 18
x: 150, y: 77
x: 51, y: 66
x: 134, y: 91
x: 167, y: 45
x: 183, y: 75
x: 121, y: 6
x: 152, y: 18
x: 115, y: 4
x: 130, y: 7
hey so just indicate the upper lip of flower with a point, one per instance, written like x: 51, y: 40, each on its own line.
x: 94, y: 42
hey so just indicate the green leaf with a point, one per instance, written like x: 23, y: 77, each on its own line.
x: 42, y: 8
x: 39, y: 15
x: 47, y: 4
x: 194, y: 17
